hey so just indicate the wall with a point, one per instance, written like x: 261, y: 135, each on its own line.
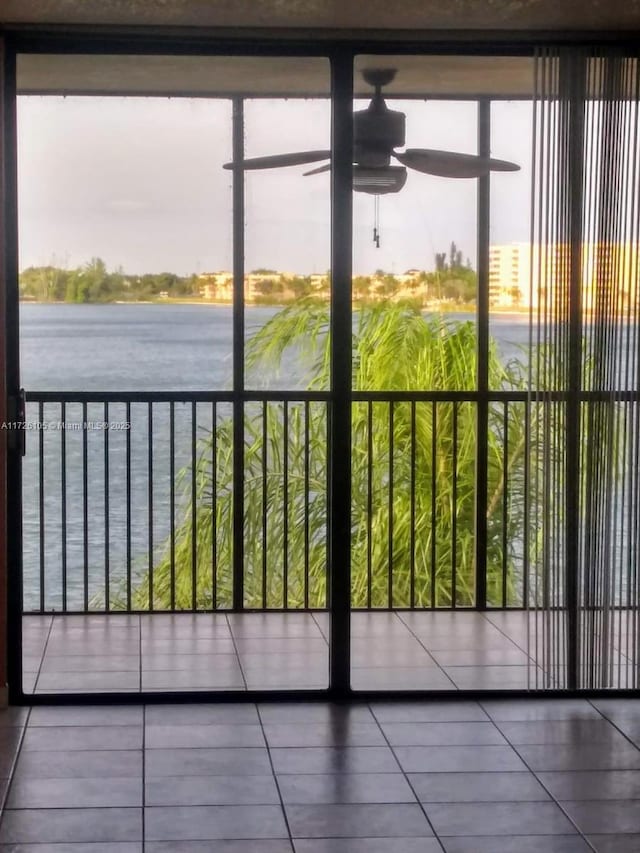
x: 3, y: 414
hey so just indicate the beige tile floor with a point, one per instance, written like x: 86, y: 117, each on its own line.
x: 263, y: 651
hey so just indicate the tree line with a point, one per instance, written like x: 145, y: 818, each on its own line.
x: 450, y: 281
x: 93, y: 282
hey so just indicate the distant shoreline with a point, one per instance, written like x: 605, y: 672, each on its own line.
x: 445, y: 309
x: 128, y: 302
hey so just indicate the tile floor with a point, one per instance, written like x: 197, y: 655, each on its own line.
x: 262, y: 651
x: 511, y: 776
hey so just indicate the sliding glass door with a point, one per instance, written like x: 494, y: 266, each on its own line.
x: 330, y: 371
x: 439, y: 428
x: 584, y: 396
x: 174, y: 310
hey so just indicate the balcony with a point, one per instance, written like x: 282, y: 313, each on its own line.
x: 131, y: 585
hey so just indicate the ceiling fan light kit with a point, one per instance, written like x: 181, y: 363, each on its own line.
x: 391, y: 179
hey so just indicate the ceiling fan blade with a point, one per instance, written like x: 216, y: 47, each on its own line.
x: 450, y: 164
x: 277, y: 161
x: 325, y: 168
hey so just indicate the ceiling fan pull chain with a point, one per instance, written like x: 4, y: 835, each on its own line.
x: 376, y: 221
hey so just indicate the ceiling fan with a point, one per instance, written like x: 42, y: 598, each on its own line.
x: 377, y: 134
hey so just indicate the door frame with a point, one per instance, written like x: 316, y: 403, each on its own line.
x: 341, y: 53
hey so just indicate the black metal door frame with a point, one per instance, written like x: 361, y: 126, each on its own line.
x: 12, y: 361
x: 341, y: 54
x: 339, y: 396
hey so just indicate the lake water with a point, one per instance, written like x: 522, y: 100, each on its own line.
x: 158, y: 347
x: 136, y: 348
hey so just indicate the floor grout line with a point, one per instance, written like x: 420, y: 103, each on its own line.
x: 275, y: 778
x: 530, y: 659
x: 422, y: 645
x: 541, y: 783
x: 12, y: 768
x: 614, y: 725
x: 322, y: 634
x: 406, y: 778
x: 237, y: 653
x: 44, y: 654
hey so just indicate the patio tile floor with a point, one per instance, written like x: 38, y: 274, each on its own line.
x: 399, y: 650
x: 322, y: 778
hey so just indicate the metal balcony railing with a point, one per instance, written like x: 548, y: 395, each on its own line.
x: 130, y: 499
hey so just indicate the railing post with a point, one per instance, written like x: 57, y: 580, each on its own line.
x: 482, y: 412
x: 340, y: 407
x: 238, y: 354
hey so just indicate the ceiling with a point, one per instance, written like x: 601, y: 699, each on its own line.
x: 417, y: 76
x: 362, y: 15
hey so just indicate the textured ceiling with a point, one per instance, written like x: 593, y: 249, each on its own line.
x: 342, y: 14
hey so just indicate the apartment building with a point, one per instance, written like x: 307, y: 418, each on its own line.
x: 521, y: 276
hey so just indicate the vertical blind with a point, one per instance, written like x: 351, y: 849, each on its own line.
x: 584, y: 442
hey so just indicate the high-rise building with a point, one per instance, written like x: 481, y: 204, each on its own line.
x: 521, y: 275
x: 509, y: 275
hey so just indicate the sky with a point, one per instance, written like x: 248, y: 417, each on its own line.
x: 139, y: 183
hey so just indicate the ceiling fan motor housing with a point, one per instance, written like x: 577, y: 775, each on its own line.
x: 377, y: 130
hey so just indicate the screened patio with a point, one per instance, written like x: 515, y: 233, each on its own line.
x: 324, y: 531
